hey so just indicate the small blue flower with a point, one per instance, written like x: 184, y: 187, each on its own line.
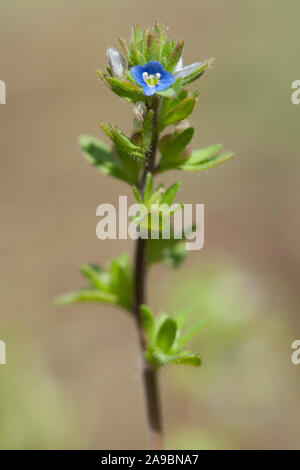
x: 152, y: 77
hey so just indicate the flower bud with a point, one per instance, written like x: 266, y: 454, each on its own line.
x: 117, y: 62
x: 139, y: 110
x: 187, y: 70
x: 136, y: 138
x: 179, y: 66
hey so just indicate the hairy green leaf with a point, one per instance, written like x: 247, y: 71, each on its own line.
x: 125, y: 48
x: 166, y: 335
x: 148, y: 322
x: 160, y: 32
x: 176, y: 54
x: 187, y: 359
x: 166, y: 53
x: 136, y: 195
x: 131, y: 167
x: 158, y: 359
x: 206, y: 164
x: 168, y: 93
x: 126, y: 90
x: 170, y: 193
x: 96, y: 275
x: 153, y: 46
x: 179, y: 113
x: 122, y: 142
x: 86, y: 295
x: 171, y: 252
x: 198, y: 156
x: 184, y: 338
x: 170, y: 103
x: 98, y: 154
x: 112, y: 285
x: 136, y: 56
x: 171, y: 147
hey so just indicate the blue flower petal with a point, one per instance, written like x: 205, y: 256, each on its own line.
x: 149, y: 90
x: 137, y: 73
x: 166, y: 80
x: 152, y: 68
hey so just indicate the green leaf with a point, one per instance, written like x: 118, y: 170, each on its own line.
x: 176, y: 54
x: 171, y: 252
x: 153, y: 46
x: 197, y: 161
x: 158, y: 358
x: 170, y: 193
x: 144, y: 44
x: 181, y: 318
x: 159, y: 320
x: 168, y: 93
x: 126, y: 90
x: 162, y: 339
x: 113, y: 285
x: 160, y: 32
x: 136, y: 195
x: 130, y: 166
x: 166, y: 52
x: 97, y: 276
x: 172, y: 146
x: 122, y: 141
x: 121, y: 280
x: 198, y: 156
x: 206, y: 164
x: 129, y: 77
x: 187, y: 359
x: 179, y: 113
x: 148, y: 322
x: 102, y: 75
x: 169, y: 104
x: 153, y: 357
x: 166, y: 335
x: 86, y: 295
x: 98, y: 154
x: 137, y: 35
x: 196, y: 73
x: 125, y: 48
x: 136, y: 57
x: 156, y: 196
x: 189, y: 334
x: 178, y: 143
x: 96, y: 150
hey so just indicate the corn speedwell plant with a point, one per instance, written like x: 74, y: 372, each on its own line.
x: 152, y: 78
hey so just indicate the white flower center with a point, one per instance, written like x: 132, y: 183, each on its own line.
x: 151, y: 80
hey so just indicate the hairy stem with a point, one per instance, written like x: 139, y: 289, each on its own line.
x: 154, y: 419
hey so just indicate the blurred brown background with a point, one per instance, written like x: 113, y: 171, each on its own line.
x: 71, y: 379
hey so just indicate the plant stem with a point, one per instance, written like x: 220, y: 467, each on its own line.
x: 154, y: 419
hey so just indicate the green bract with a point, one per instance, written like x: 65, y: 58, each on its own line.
x: 112, y: 285
x: 131, y: 158
x: 167, y: 337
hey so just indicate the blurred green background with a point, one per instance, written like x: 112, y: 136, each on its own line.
x: 71, y: 379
